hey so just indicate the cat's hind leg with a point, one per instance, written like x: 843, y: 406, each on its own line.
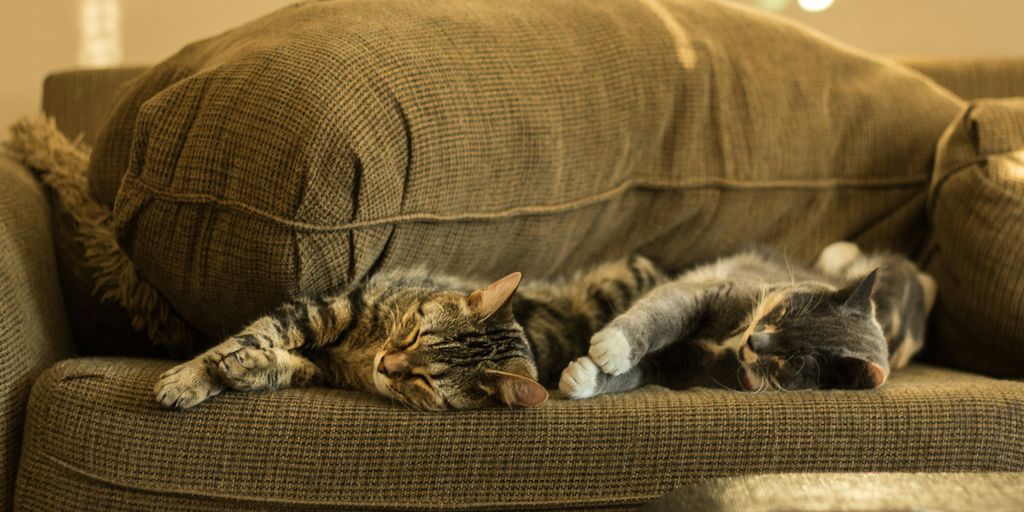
x: 837, y: 259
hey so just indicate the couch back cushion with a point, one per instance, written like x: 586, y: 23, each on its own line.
x: 976, y: 205
x: 332, y: 139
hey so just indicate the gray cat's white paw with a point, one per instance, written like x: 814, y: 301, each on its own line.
x: 610, y: 350
x: 580, y: 379
x: 184, y: 386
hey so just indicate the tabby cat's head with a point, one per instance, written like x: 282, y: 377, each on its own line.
x: 809, y: 336
x: 458, y: 351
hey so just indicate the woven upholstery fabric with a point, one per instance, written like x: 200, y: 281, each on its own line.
x: 81, y: 100
x: 975, y: 78
x: 976, y: 205
x: 33, y: 328
x: 95, y: 436
x: 332, y: 139
x: 100, y: 327
x: 950, y: 492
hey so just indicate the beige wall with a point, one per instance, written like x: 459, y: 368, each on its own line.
x: 922, y: 27
x: 38, y: 36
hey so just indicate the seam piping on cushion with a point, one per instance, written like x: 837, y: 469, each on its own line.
x: 523, y: 211
x: 635, y: 500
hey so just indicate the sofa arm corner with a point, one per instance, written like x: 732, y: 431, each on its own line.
x: 33, y: 324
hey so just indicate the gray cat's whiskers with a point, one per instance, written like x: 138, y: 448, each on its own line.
x: 811, y: 306
x: 789, y: 268
x: 763, y: 384
x: 803, y: 363
x: 817, y: 368
x: 723, y: 386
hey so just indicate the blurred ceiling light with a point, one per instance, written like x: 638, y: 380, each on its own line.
x: 814, y: 5
x: 773, y: 5
x: 99, y: 42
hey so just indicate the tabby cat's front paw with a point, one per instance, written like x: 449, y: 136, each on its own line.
x: 611, y: 351
x: 581, y: 379
x: 185, y: 386
x: 249, y: 369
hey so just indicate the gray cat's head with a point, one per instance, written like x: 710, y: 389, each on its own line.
x: 460, y: 351
x: 810, y: 336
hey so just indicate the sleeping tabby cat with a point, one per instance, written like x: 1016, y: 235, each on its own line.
x: 426, y: 340
x: 750, y: 322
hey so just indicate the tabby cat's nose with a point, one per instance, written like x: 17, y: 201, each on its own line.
x: 394, y: 365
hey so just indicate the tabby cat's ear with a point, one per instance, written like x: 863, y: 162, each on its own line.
x: 860, y: 297
x: 856, y: 373
x: 519, y: 390
x: 494, y: 300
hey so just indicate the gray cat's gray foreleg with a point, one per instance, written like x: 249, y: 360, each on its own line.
x: 665, y: 315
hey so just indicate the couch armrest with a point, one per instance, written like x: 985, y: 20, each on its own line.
x: 81, y: 100
x: 973, y: 78
x: 33, y: 324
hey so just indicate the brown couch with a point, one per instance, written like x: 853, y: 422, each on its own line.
x: 91, y: 436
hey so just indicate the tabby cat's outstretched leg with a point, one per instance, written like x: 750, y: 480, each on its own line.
x: 306, y: 322
x: 665, y: 315
x: 267, y: 369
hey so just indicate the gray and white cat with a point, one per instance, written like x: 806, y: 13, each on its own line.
x: 752, y: 322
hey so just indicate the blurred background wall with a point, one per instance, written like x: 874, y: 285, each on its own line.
x: 40, y: 36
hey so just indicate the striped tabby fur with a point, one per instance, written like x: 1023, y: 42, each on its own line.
x: 432, y: 342
x: 752, y: 322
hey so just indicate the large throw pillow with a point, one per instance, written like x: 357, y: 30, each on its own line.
x: 333, y: 139
x: 976, y: 205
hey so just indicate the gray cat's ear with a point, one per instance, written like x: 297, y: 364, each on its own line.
x: 856, y: 373
x: 518, y: 390
x: 860, y: 297
x: 495, y: 299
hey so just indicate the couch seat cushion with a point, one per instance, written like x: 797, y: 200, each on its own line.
x: 95, y: 436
